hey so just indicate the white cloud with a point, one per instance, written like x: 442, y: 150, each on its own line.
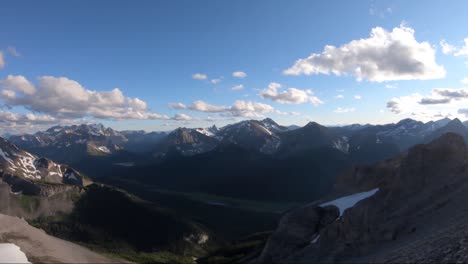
x: 340, y: 96
x: 202, y: 106
x: 181, y: 117
x: 340, y: 110
x: 289, y: 96
x: 384, y: 56
x: 239, y: 74
x: 216, y: 81
x: 250, y: 109
x: 464, y: 80
x: 404, y: 104
x: 463, y: 51
x: 357, y: 97
x: 441, y: 102
x: 447, y: 48
x: 239, y: 108
x: 13, y: 52
x: 22, y: 123
x: 177, y: 106
x: 18, y: 82
x: 199, y: 76
x: 2, y: 60
x: 237, y: 87
x: 64, y: 98
x: 21, y: 119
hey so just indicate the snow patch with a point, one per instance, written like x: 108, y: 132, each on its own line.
x: 349, y: 201
x: 104, y: 149
x: 11, y: 253
x: 315, y: 239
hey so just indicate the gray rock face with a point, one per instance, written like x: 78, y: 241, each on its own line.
x: 31, y: 175
x: 427, y: 185
x: 296, y: 231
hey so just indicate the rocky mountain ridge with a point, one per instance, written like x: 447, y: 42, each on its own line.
x: 415, y: 192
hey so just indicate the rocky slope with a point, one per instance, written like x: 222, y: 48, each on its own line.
x: 42, y: 248
x: 393, y: 211
x: 186, y: 142
x: 33, y: 175
x: 260, y: 136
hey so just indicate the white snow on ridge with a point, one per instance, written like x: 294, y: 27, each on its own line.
x: 349, y: 201
x: 205, y: 132
x: 11, y: 253
x: 104, y: 149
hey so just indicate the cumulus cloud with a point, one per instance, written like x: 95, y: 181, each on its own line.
x: 237, y: 87
x: 64, y: 98
x: 440, y: 102
x: 239, y: 108
x: 2, y: 60
x: 447, y: 48
x: 357, y: 97
x: 289, y: 96
x: 464, y: 80
x: 250, y: 109
x: 340, y: 96
x: 22, y: 119
x: 215, y: 81
x: 202, y: 106
x: 22, y: 123
x: 180, y: 117
x: 452, y: 49
x: 199, y: 76
x: 404, y: 104
x: 384, y: 56
x: 239, y: 74
x: 444, y: 96
x: 340, y: 110
x: 20, y: 83
x: 177, y: 106
x: 463, y: 51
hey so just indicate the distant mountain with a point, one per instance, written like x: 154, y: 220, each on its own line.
x: 30, y: 174
x: 72, y: 143
x: 312, y: 136
x: 405, y: 209
x: 140, y: 141
x: 454, y: 126
x: 186, y: 142
x: 261, y: 136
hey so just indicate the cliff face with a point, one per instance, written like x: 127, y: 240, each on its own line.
x: 395, y: 202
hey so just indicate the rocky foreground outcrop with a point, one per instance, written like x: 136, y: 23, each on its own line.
x: 42, y: 248
x: 417, y: 194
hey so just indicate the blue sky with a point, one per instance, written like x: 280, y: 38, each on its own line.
x: 151, y: 50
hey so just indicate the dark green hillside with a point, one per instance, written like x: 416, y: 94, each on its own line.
x: 112, y: 221
x: 236, y: 172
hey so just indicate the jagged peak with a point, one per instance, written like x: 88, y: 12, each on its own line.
x: 313, y: 124
x: 408, y: 121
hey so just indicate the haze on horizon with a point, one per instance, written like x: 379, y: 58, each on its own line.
x: 158, y: 65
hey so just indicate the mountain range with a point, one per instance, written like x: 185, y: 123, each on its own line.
x: 374, y: 187
x: 266, y: 150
